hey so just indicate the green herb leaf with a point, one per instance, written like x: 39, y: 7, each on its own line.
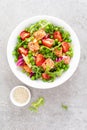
x: 35, y: 105
x: 34, y: 27
x: 65, y: 107
x: 47, y: 52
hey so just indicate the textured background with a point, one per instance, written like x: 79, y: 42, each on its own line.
x: 72, y: 93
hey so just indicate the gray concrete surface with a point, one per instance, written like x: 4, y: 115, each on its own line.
x: 72, y: 93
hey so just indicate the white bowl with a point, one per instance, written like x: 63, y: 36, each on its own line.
x: 15, y: 102
x: 39, y: 83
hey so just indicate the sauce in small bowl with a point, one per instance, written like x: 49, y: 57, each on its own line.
x: 20, y: 96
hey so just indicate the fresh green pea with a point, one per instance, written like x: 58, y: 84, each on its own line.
x: 47, y: 28
x: 23, y: 70
x: 27, y: 29
x: 32, y: 38
x: 68, y: 40
x: 29, y: 39
x: 40, y: 42
x: 36, y: 76
x: 51, y: 36
x: 59, y: 48
x: 25, y: 46
x: 47, y: 51
x: 33, y: 78
x: 64, y: 66
x: 56, y: 40
x: 31, y: 59
x: 30, y: 54
x: 27, y: 74
x: 68, y: 52
x: 56, y: 29
x: 16, y: 59
x: 33, y: 62
x: 46, y: 31
x: 14, y: 53
x: 70, y: 49
x: 19, y: 39
x: 51, y: 32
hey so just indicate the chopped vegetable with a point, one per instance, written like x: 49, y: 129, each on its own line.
x: 47, y: 52
x: 39, y: 34
x: 57, y: 35
x: 24, y: 35
x: 27, y: 60
x: 48, y: 63
x: 58, y: 51
x: 45, y: 76
x: 33, y: 46
x: 31, y: 74
x: 22, y: 50
x: 39, y: 59
x: 65, y: 107
x: 59, y: 59
x: 35, y: 105
x: 39, y: 25
x: 27, y: 68
x: 20, y: 61
x: 70, y: 52
x: 48, y: 42
x: 66, y: 59
x: 43, y: 51
x: 65, y: 46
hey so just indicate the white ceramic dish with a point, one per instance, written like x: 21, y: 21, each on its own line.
x: 16, y: 103
x: 39, y: 83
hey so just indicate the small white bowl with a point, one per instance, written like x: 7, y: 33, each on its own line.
x: 17, y: 103
x: 39, y: 83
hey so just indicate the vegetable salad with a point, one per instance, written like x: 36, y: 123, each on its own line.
x: 43, y: 51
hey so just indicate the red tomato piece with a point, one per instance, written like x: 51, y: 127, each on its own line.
x: 65, y: 46
x: 45, y: 76
x: 24, y: 35
x: 57, y: 35
x: 21, y: 50
x: 48, y: 42
x: 39, y: 59
x: 66, y: 59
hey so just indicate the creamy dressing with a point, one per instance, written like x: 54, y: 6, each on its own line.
x: 20, y: 95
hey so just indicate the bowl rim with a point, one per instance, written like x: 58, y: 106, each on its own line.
x: 44, y: 85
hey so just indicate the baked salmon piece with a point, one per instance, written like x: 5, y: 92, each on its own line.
x: 39, y: 34
x: 48, y: 63
x: 33, y: 46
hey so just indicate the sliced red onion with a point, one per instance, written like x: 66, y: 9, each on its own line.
x: 47, y: 36
x: 20, y: 61
x: 34, y: 57
x: 31, y: 74
x: 20, y: 56
x: 59, y: 59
